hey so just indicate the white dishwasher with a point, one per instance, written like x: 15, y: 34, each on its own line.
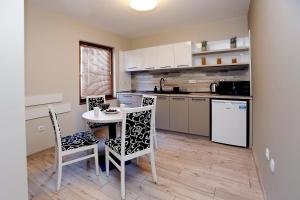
x: 229, y: 122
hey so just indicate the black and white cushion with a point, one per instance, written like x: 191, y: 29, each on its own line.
x: 148, y: 101
x: 95, y: 102
x: 95, y: 125
x: 137, y: 136
x: 77, y: 140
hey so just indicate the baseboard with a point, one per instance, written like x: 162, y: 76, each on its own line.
x: 259, y: 177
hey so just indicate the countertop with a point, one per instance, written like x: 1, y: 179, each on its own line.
x: 200, y: 94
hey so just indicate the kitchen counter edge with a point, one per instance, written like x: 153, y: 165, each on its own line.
x: 192, y: 95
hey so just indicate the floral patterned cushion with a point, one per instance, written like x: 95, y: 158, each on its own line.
x: 148, y: 101
x: 95, y: 125
x: 95, y: 102
x: 77, y: 140
x: 137, y: 136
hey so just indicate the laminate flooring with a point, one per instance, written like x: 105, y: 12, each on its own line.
x: 188, y: 167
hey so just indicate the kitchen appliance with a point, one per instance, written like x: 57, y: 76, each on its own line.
x: 213, y: 87
x: 240, y: 88
x: 176, y: 89
x: 229, y: 122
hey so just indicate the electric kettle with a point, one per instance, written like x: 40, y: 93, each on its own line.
x: 213, y: 87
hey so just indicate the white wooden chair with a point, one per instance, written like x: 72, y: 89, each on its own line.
x: 136, y: 140
x: 148, y: 100
x: 91, y: 102
x: 78, y: 142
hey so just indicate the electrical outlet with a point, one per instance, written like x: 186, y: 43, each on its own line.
x: 41, y: 129
x: 267, y: 154
x: 272, y: 165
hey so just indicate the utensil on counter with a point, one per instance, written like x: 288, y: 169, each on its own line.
x: 176, y: 89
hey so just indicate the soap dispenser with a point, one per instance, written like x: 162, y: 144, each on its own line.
x: 155, y: 89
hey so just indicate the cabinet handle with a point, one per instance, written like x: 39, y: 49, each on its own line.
x: 198, y: 99
x: 183, y: 65
x: 149, y: 67
x: 131, y: 67
x: 161, y: 97
x: 178, y: 98
x: 165, y: 67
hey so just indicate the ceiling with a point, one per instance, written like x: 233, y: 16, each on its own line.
x: 116, y: 16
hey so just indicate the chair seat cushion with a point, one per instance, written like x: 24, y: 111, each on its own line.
x: 78, y: 140
x: 95, y: 125
x: 130, y: 147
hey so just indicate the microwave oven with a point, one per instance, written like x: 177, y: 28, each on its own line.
x: 239, y: 88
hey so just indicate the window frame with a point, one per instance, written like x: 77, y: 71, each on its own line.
x: 100, y: 46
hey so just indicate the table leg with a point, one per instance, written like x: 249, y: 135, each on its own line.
x: 112, y: 130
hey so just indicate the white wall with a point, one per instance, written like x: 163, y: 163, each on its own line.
x: 213, y: 30
x: 275, y: 32
x: 13, y: 172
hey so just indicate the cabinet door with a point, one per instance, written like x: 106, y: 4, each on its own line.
x: 183, y: 54
x: 199, y: 116
x: 179, y: 114
x: 130, y: 100
x: 162, y: 119
x: 133, y: 60
x: 149, y: 58
x: 165, y: 56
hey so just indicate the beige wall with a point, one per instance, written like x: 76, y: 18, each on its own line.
x: 217, y: 30
x: 275, y: 35
x: 52, y: 57
x: 13, y: 171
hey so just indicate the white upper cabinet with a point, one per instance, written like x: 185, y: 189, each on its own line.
x: 133, y: 60
x: 159, y: 57
x: 149, y: 58
x: 165, y: 56
x: 183, y: 54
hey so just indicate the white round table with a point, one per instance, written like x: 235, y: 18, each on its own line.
x: 103, y: 118
x: 111, y: 120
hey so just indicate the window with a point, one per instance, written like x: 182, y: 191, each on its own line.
x: 96, y: 76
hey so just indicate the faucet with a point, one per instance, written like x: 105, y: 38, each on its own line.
x: 161, y: 82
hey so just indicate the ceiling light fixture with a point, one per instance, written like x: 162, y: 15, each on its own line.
x: 143, y: 5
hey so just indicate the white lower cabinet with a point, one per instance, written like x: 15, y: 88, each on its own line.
x: 162, y: 120
x: 179, y: 114
x: 130, y: 100
x: 199, y: 116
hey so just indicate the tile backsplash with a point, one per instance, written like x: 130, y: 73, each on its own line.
x: 191, y: 80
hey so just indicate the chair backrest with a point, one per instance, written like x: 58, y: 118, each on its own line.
x: 56, y: 128
x: 94, y: 101
x: 137, y: 129
x: 148, y: 100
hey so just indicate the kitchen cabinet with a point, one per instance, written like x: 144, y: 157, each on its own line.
x: 133, y: 60
x: 179, y: 120
x: 199, y: 116
x: 165, y: 56
x: 162, y: 118
x: 149, y: 58
x: 130, y: 100
x: 183, y: 54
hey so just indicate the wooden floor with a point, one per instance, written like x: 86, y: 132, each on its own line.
x: 188, y: 167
